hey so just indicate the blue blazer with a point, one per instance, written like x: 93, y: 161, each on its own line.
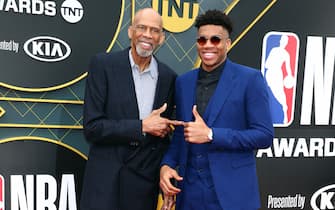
x: 111, y: 125
x: 238, y: 113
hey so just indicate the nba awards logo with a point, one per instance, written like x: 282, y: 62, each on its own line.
x: 279, y: 68
x: 182, y: 12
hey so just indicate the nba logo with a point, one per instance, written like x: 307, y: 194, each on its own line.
x: 2, y: 193
x: 279, y: 68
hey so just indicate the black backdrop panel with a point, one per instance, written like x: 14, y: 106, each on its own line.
x: 55, y: 39
x: 295, y: 176
x: 34, y: 170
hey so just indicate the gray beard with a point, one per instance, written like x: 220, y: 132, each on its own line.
x: 143, y: 53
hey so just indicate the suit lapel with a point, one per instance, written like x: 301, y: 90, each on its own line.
x: 159, y: 99
x: 158, y: 102
x: 126, y: 81
x: 224, y: 88
x: 189, y: 94
x: 127, y: 90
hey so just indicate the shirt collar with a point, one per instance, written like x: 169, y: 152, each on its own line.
x: 215, y: 72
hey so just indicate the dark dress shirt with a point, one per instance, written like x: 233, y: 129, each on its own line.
x: 206, y: 85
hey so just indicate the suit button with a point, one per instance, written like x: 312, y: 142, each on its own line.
x: 134, y: 143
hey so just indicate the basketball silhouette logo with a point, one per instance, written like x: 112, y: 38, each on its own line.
x: 279, y: 68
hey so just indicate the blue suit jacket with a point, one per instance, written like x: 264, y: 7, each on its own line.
x: 114, y: 177
x: 238, y: 113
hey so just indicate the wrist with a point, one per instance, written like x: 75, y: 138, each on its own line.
x: 144, y: 127
x: 210, y: 135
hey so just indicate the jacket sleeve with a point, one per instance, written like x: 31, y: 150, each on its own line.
x: 257, y: 131
x: 171, y: 157
x: 98, y: 127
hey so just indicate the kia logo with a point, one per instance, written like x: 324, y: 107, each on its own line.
x: 47, y: 49
x: 325, y: 196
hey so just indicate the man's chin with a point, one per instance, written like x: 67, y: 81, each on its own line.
x: 144, y: 53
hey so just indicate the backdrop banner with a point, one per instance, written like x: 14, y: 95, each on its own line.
x: 45, y: 49
x: 293, y: 43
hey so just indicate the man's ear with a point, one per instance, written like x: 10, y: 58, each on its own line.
x: 162, y: 38
x: 228, y: 42
x: 130, y: 32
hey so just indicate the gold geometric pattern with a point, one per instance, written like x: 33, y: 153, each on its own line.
x: 2, y: 111
x: 57, y: 114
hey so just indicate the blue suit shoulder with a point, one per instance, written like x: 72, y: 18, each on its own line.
x: 236, y: 67
x: 246, y: 74
x: 243, y: 68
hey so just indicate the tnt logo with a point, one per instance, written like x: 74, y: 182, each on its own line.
x: 2, y: 193
x: 182, y: 12
x: 279, y: 68
x: 72, y: 11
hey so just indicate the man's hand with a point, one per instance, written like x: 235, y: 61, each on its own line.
x: 157, y: 125
x: 168, y: 202
x: 166, y: 174
x: 197, y: 131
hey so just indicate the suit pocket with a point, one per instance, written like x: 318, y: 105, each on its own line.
x: 147, y: 161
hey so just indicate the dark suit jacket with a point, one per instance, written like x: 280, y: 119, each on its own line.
x: 238, y: 113
x: 122, y: 171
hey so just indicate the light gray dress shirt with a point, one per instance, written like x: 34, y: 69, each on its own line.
x: 145, y: 85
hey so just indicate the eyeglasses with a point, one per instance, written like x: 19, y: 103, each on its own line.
x: 215, y: 40
x: 144, y: 28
